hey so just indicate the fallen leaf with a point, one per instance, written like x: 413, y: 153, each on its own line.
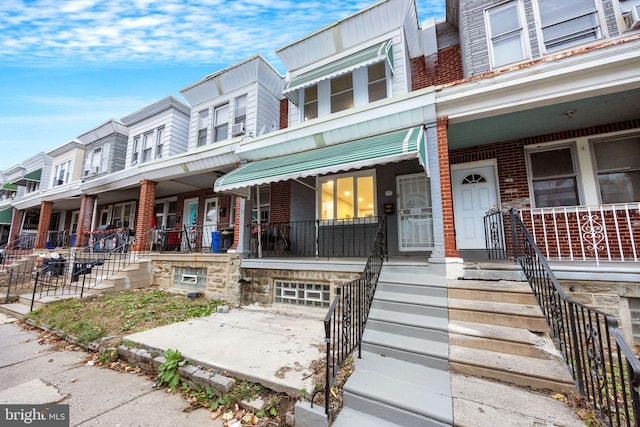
x: 73, y: 380
x: 558, y: 396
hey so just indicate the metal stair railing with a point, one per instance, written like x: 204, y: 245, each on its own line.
x: 347, y: 316
x: 85, y: 269
x: 605, y: 369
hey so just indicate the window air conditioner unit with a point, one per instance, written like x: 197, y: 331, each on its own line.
x: 59, y: 182
x: 237, y: 129
x: 632, y: 18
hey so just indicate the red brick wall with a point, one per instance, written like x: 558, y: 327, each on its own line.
x: 16, y: 221
x: 84, y: 220
x: 280, y: 202
x: 420, y: 76
x: 450, y: 249
x: 43, y: 225
x: 236, y: 224
x: 449, y: 67
x: 284, y: 113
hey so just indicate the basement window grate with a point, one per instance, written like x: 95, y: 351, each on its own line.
x: 299, y: 293
x: 192, y: 279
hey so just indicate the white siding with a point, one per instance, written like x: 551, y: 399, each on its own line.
x: 268, y: 112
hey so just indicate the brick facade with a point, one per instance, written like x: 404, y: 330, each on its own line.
x: 445, y: 67
x: 16, y: 222
x: 280, y: 204
x: 84, y: 219
x: 284, y: 113
x: 445, y: 188
x: 146, y: 213
x: 43, y: 224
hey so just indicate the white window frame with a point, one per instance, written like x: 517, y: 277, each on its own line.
x: 597, y: 172
x: 385, y: 66
x: 315, y: 101
x: 135, y: 150
x: 576, y: 170
x: 523, y: 34
x: 221, y: 112
x: 265, y: 204
x: 63, y: 168
x: 147, y: 147
x: 239, y: 110
x: 162, y: 218
x: 118, y: 214
x: 354, y: 176
x: 203, y: 126
x: 159, y: 142
x: 601, y: 31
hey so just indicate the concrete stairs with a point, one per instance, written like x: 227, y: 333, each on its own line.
x: 402, y: 377
x: 133, y: 276
x: 497, y: 331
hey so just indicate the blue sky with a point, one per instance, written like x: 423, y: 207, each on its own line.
x: 67, y: 66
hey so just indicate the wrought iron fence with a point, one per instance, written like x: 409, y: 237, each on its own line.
x: 347, y: 317
x: 315, y: 238
x: 604, y: 367
x: 586, y: 233
x: 494, y: 234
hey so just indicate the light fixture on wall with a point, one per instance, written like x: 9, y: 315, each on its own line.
x: 569, y: 114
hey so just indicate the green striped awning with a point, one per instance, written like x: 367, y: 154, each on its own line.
x: 380, y: 149
x: 369, y: 56
x: 6, y: 215
x: 31, y: 176
x: 10, y: 187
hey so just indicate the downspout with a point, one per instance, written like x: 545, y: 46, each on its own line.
x: 259, y: 224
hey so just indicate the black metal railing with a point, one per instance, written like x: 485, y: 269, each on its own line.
x: 193, y: 239
x: 494, y: 235
x: 605, y: 369
x: 315, y: 238
x: 60, y: 239
x: 347, y: 317
x: 14, y: 250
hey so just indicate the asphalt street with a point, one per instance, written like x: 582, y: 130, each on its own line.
x: 34, y: 373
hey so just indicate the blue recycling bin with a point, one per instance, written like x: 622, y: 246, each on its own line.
x: 215, y: 242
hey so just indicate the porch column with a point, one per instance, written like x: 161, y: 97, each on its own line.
x: 146, y: 212
x: 241, y: 230
x: 450, y: 249
x: 16, y: 221
x: 43, y: 225
x: 84, y: 219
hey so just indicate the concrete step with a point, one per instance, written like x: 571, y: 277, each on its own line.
x: 549, y: 374
x: 493, y: 270
x: 16, y: 310
x: 397, y: 317
x: 498, y: 291
x: 496, y: 313
x: 407, y: 348
x: 412, y: 289
x: 412, y: 274
x: 399, y: 392
x: 501, y: 338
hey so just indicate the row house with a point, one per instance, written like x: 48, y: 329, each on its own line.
x: 425, y: 128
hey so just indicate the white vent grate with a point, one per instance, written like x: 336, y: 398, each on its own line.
x: 310, y: 294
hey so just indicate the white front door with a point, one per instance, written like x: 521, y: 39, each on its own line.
x: 474, y: 193
x: 415, y: 219
x: 190, y: 223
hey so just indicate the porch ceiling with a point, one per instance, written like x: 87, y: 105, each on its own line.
x: 599, y: 110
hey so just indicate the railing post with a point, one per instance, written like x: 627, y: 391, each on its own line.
x: 514, y: 239
x: 35, y: 287
x: 9, y: 280
x: 317, y: 239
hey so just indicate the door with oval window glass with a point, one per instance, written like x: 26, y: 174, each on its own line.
x: 415, y: 218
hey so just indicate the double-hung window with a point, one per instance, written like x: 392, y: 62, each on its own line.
x: 135, y: 150
x: 61, y: 173
x: 506, y: 34
x: 342, y: 93
x: 221, y: 123
x: 159, y: 142
x: 203, y: 124
x: 240, y: 111
x: 311, y: 102
x: 124, y: 215
x: 147, y: 145
x: 568, y: 23
x: 377, y: 81
x: 264, y: 204
x: 554, y: 177
x: 618, y: 167
x: 348, y: 196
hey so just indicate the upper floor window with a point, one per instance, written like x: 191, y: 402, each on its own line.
x: 342, y: 93
x: 377, y: 81
x: 61, y: 173
x: 506, y: 34
x: 568, y: 23
x: 347, y: 196
x: 96, y: 160
x: 32, y: 186
x: 554, y: 177
x: 135, y: 150
x: 159, y: 142
x: 221, y: 123
x: 147, y: 145
x: 240, y: 111
x: 618, y: 168
x: 203, y: 124
x: 311, y: 102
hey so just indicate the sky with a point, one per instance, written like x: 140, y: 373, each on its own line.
x: 67, y: 66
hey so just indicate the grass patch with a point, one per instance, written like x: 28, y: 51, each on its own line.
x: 118, y: 314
